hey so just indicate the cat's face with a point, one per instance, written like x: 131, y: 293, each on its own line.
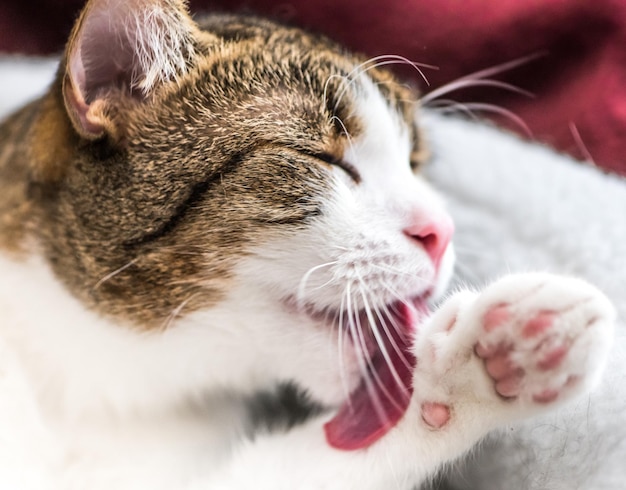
x: 270, y: 175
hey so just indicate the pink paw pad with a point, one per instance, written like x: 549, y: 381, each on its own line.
x: 553, y: 358
x: 484, y: 351
x: 500, y: 366
x: 496, y: 316
x: 435, y: 415
x: 511, y: 386
x: 538, y: 324
x: 546, y: 396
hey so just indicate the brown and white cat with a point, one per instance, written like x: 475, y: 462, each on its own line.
x: 196, y: 213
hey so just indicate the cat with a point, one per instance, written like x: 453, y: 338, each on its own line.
x: 206, y: 224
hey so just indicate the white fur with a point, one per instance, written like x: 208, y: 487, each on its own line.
x: 163, y: 43
x: 108, y: 407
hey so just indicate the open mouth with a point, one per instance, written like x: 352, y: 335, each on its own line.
x: 384, y: 393
x: 382, y: 341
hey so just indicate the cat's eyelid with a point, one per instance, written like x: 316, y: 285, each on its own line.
x: 352, y: 172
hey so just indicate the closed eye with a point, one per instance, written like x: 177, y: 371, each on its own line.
x: 338, y: 162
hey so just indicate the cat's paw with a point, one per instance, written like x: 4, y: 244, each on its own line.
x: 543, y: 337
x: 526, y: 342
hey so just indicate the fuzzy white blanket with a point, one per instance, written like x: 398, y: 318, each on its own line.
x: 522, y: 207
x: 517, y: 207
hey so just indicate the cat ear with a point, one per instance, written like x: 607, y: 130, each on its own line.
x: 123, y: 48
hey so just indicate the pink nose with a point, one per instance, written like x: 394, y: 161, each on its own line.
x: 434, y: 235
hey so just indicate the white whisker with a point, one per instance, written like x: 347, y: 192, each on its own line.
x: 352, y: 327
x: 342, y: 249
x: 172, y: 316
x: 325, y: 92
x: 448, y: 105
x: 383, y: 350
x: 391, y: 315
x: 481, y: 79
x: 305, y: 278
x: 390, y: 269
x: 413, y: 274
x: 345, y: 130
x: 363, y: 360
x: 114, y: 273
x: 481, y: 106
x: 391, y: 318
x: 375, y: 62
x: 348, y: 136
x: 503, y: 67
x: 465, y: 83
x: 383, y: 321
x: 340, y: 346
x: 580, y: 143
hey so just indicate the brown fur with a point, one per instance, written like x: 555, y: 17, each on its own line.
x: 186, y: 180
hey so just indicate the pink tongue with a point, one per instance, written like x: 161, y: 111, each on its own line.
x: 373, y: 410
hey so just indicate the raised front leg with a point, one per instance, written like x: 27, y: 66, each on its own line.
x: 522, y: 346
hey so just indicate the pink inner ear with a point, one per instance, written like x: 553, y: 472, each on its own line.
x: 103, y: 56
x: 124, y: 47
x: 83, y: 115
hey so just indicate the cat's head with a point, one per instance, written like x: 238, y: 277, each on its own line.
x: 238, y: 166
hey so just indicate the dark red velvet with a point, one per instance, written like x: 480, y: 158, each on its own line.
x: 579, y: 83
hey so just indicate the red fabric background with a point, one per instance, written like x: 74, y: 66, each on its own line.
x: 579, y: 83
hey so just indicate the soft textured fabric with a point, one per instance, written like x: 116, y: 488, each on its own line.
x: 578, y: 82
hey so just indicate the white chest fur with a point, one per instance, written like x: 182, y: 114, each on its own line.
x: 104, y: 401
